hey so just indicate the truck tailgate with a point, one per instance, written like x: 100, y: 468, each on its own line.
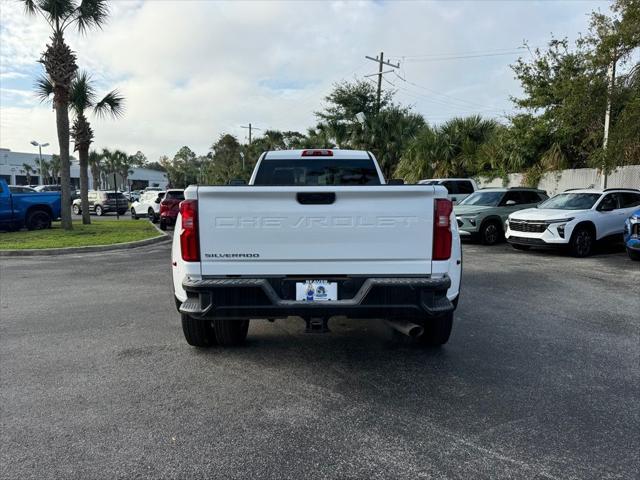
x: 311, y: 231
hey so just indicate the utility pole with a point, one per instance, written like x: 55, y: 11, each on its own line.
x: 611, y: 76
x: 250, y: 130
x: 380, y: 61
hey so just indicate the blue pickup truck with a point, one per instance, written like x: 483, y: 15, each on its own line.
x: 34, y: 211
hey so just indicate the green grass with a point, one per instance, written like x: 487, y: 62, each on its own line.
x: 100, y: 232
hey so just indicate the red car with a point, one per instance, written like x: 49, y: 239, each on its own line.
x: 170, y: 207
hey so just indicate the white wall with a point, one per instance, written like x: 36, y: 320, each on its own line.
x: 555, y: 182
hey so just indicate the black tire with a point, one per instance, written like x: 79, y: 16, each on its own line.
x: 99, y: 211
x: 436, y: 331
x: 231, y: 332
x: 198, y: 333
x: 152, y: 215
x: 38, y: 220
x: 521, y: 247
x: 581, y: 243
x: 163, y: 224
x: 76, y: 209
x: 491, y: 232
x: 633, y: 255
x: 133, y: 214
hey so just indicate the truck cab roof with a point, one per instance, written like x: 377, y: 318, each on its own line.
x: 302, y: 154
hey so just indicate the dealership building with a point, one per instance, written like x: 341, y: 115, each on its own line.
x: 12, y: 169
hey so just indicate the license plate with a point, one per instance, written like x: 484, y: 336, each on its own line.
x: 316, y: 291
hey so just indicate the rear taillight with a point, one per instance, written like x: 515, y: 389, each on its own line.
x: 189, y: 235
x: 442, y: 229
x: 164, y: 207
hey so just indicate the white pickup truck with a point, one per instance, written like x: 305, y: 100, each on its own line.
x: 316, y: 234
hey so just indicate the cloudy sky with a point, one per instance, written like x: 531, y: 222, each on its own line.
x: 191, y: 70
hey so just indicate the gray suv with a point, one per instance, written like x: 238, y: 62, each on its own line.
x: 101, y: 202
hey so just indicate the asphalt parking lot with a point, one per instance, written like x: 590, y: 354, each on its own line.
x: 540, y: 379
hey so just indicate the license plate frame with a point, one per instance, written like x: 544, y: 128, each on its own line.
x: 316, y: 291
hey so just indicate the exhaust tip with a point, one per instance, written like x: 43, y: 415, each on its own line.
x: 416, y: 331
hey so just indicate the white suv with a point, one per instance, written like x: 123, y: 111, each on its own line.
x: 575, y: 218
x: 148, y: 205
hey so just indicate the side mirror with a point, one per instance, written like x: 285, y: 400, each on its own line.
x: 396, y: 181
x: 237, y: 182
x: 158, y: 200
x: 606, y: 208
x: 510, y: 202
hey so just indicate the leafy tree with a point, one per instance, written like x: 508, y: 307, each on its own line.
x: 60, y: 65
x: 184, y: 169
x: 226, y: 160
x: 82, y: 99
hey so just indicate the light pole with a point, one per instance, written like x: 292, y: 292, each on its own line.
x: 40, y: 145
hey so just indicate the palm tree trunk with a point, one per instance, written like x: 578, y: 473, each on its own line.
x: 62, y: 123
x: 83, y: 154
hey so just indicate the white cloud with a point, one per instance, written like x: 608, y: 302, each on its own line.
x: 193, y: 70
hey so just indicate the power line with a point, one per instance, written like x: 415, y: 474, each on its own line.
x: 468, y: 54
x: 451, y: 97
x: 423, y: 97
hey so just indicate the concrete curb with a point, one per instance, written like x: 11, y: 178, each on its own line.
x: 164, y: 237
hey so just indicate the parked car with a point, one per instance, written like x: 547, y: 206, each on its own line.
x: 316, y: 234
x: 101, y: 202
x: 482, y: 214
x: 575, y: 219
x: 21, y: 189
x: 133, y: 196
x: 48, y: 188
x: 458, y: 188
x: 169, y: 207
x: 29, y: 209
x: 148, y: 206
x: 74, y: 194
x: 631, y: 235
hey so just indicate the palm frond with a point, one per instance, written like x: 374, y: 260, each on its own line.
x: 43, y: 88
x: 82, y: 95
x: 56, y: 11
x: 111, y: 105
x: 30, y: 6
x: 91, y: 13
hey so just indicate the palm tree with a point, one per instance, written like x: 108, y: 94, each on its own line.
x: 28, y: 170
x: 82, y: 98
x: 55, y: 166
x: 60, y: 65
x: 43, y: 171
x: 95, y: 164
x: 119, y: 163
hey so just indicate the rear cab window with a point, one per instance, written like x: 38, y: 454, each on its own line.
x: 316, y: 172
